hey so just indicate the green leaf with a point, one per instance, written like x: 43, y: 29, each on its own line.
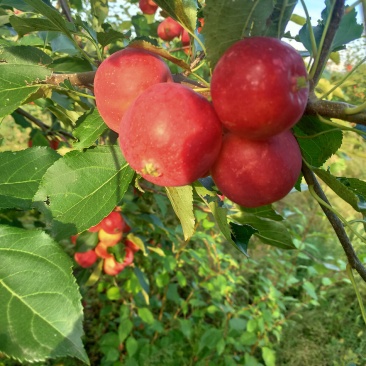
x: 17, y: 4
x: 184, y: 11
x: 210, y: 338
x: 146, y: 315
x: 181, y: 199
x: 266, y: 212
x: 16, y: 84
x: 269, y: 356
x: 270, y: 232
x: 24, y: 26
x: 347, y: 31
x: 57, y: 20
x: 351, y: 190
x: 82, y: 188
x: 99, y: 10
x: 220, y: 213
x: 109, y: 36
x: 21, y: 174
x: 89, y: 128
x: 231, y: 21
x: 131, y: 346
x: 318, y: 141
x: 70, y: 65
x: 241, y: 236
x: 40, y: 309
x: 24, y: 55
x: 279, y: 18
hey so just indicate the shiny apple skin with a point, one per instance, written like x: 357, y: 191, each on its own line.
x: 148, y: 7
x: 122, y: 77
x: 253, y: 173
x: 170, y: 135
x: 168, y: 29
x: 259, y: 87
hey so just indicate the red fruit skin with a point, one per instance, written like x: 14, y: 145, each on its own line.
x: 122, y: 77
x: 185, y: 39
x: 148, y: 7
x: 113, y: 223
x: 254, y: 87
x: 128, y: 257
x: 109, y: 239
x: 168, y: 29
x: 112, y: 267
x: 101, y: 250
x: 95, y: 228
x: 254, y: 173
x: 85, y: 259
x: 170, y: 135
x: 129, y: 244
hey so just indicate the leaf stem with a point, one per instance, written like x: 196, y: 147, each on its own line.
x: 359, y: 298
x: 356, y: 110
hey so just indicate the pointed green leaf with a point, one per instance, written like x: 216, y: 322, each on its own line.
x: 24, y: 26
x: 270, y: 232
x: 21, y: 174
x: 181, y: 199
x: 40, y: 310
x: 52, y: 15
x: 16, y: 84
x: 241, y: 236
x: 229, y: 21
x: 89, y: 127
x: 184, y: 11
x: 279, y: 18
x: 318, y: 141
x: 80, y: 189
x: 269, y: 356
x: 109, y: 36
x: 24, y: 55
x: 351, y: 190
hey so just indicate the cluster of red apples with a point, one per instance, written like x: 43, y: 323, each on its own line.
x: 110, y: 234
x: 168, y: 29
x: 172, y: 136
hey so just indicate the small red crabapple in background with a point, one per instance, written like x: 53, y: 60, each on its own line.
x: 122, y: 77
x: 185, y: 39
x: 101, y: 250
x: 113, y: 223
x: 85, y: 259
x: 202, y: 22
x: 148, y: 7
x: 135, y: 248
x: 168, y: 29
x: 109, y: 239
x: 112, y: 267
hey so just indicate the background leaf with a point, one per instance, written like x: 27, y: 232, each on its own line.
x: 184, y: 11
x: 24, y: 55
x: 181, y: 199
x: 227, y: 21
x: 40, y: 309
x: 21, y: 174
x: 95, y: 178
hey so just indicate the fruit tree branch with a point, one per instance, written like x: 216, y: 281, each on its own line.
x: 325, y: 50
x: 40, y: 124
x: 332, y: 109
x: 82, y: 79
x: 66, y: 10
x: 338, y: 228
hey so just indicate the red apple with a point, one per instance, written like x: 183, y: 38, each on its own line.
x: 112, y: 267
x: 170, y: 135
x: 113, y: 223
x: 254, y: 173
x: 109, y: 239
x: 101, y: 250
x: 85, y: 259
x: 168, y: 29
x: 259, y: 87
x: 185, y: 39
x: 122, y: 77
x: 148, y: 7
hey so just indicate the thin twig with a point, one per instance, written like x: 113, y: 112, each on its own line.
x: 66, y: 10
x: 332, y: 109
x: 45, y: 128
x: 82, y: 79
x: 325, y: 50
x: 336, y: 223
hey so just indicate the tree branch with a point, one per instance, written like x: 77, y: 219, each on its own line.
x: 335, y: 19
x: 336, y: 223
x: 66, y: 10
x: 82, y: 79
x: 330, y: 109
x: 45, y: 128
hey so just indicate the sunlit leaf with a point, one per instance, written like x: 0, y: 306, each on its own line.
x: 95, y: 178
x: 21, y: 174
x: 40, y: 308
